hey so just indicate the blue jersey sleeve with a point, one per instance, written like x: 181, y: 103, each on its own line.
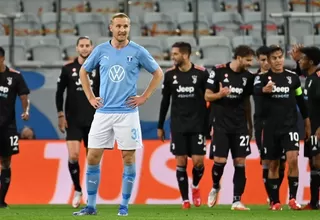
x: 92, y: 61
x: 147, y: 61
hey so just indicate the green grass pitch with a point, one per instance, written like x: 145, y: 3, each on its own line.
x: 154, y: 212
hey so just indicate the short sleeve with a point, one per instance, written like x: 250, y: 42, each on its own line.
x: 147, y: 61
x: 92, y: 61
x: 22, y: 88
x: 212, y: 81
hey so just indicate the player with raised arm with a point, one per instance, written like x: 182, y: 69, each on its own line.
x: 281, y: 92
x: 117, y: 116
x: 309, y: 61
x: 78, y: 115
x: 228, y: 89
x: 261, y: 54
x: 12, y: 85
x: 185, y: 85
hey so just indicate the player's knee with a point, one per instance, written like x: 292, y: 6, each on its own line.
x: 239, y: 161
x: 197, y: 161
x: 181, y: 161
x: 293, y: 162
x: 5, y: 162
x: 74, y: 156
x: 94, y: 156
x: 274, y: 166
x: 316, y: 161
x: 220, y: 160
x: 128, y: 157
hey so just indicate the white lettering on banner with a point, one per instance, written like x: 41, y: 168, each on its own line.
x: 163, y: 174
x: 160, y: 172
x: 64, y: 186
x: 100, y: 200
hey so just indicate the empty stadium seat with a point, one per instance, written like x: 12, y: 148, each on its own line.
x: 253, y: 42
x: 9, y: 6
x: 104, y: 6
x: 185, y: 22
x: 159, y: 24
x: 215, y: 47
x: 280, y: 40
x: 152, y: 44
x: 311, y: 40
x: 27, y: 24
x: 49, y: 22
x: 226, y: 24
x: 90, y: 24
x: 301, y: 27
x: 172, y: 6
x: 169, y: 41
x: 252, y: 24
x: 37, y: 6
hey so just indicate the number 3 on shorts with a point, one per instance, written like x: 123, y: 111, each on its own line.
x: 202, y: 139
x: 135, y: 134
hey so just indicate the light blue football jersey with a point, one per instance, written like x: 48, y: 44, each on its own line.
x: 119, y: 72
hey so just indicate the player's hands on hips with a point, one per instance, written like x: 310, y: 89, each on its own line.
x: 307, y: 128
x: 318, y: 133
x: 96, y: 102
x: 25, y: 116
x: 136, y: 101
x: 268, y: 88
x: 161, y: 134
x: 62, y: 124
x: 224, y: 91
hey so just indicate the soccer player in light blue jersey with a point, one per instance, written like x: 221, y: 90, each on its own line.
x: 117, y: 116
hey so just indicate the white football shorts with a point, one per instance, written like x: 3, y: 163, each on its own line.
x: 121, y: 127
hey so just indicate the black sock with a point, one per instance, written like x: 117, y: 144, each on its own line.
x: 281, y: 175
x: 5, y: 180
x: 239, y: 182
x: 216, y: 172
x: 265, y: 172
x: 197, y: 173
x: 182, y: 178
x: 293, y: 186
x: 74, y: 170
x: 273, y: 185
x: 314, y: 186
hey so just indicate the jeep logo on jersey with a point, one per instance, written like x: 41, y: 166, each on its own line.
x: 116, y: 73
x: 78, y: 83
x: 277, y: 89
x: 236, y: 90
x: 189, y: 89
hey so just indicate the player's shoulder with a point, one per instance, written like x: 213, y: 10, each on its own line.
x: 220, y: 66
x: 170, y: 70
x: 290, y: 72
x: 318, y: 73
x: 199, y: 68
x: 136, y: 46
x: 13, y: 71
x: 69, y: 63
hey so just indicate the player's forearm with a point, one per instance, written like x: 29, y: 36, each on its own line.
x: 154, y: 83
x: 25, y: 103
x: 302, y: 106
x: 86, y: 84
x: 211, y: 97
x: 248, y: 113
x: 165, y: 103
x: 59, y: 101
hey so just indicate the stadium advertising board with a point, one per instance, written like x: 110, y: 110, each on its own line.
x: 41, y: 176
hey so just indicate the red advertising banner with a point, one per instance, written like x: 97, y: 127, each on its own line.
x: 40, y: 175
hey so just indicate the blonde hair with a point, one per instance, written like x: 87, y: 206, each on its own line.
x: 119, y: 15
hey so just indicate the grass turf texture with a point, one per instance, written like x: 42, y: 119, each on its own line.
x: 154, y: 212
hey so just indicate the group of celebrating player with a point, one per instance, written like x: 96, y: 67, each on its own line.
x: 277, y: 92
x: 101, y: 107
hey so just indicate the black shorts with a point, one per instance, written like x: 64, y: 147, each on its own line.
x: 277, y: 144
x: 9, y: 142
x: 78, y: 133
x: 237, y: 143
x: 263, y: 150
x: 311, y: 147
x: 188, y: 143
